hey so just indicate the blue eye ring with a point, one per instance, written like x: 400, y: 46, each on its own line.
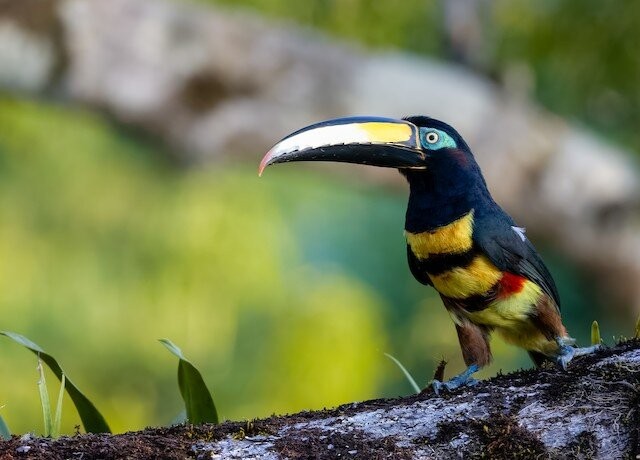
x: 435, y: 139
x: 431, y: 137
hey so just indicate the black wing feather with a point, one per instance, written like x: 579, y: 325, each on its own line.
x: 495, y: 237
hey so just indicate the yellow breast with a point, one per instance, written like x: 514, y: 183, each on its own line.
x: 452, y: 238
x: 509, y: 312
x: 477, y: 278
x: 458, y: 282
x: 509, y: 315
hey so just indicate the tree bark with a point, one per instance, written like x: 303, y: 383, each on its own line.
x: 589, y: 411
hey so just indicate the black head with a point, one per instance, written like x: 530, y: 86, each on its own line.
x: 447, y: 153
x: 446, y: 136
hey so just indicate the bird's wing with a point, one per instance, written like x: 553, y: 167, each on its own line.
x: 508, y: 248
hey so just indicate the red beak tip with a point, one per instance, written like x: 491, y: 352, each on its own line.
x: 261, y: 168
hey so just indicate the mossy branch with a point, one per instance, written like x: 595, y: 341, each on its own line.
x: 589, y: 411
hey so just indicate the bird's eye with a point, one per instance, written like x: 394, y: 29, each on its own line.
x: 432, y: 137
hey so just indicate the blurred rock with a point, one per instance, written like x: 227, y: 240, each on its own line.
x: 210, y: 84
x: 25, y: 61
x: 215, y: 83
x: 29, y: 41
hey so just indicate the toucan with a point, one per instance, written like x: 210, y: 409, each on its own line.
x: 459, y: 240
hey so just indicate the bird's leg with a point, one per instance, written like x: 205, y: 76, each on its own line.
x: 458, y: 381
x: 474, y: 344
x: 566, y: 352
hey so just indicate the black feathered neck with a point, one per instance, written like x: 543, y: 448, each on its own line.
x: 450, y: 187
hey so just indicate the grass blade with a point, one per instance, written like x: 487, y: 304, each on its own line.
x: 198, y: 401
x: 595, y: 333
x: 637, y: 334
x: 412, y: 382
x: 57, y: 420
x: 44, y: 401
x: 5, y: 433
x: 91, y: 418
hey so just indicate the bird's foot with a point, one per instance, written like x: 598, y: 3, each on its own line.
x: 567, y: 352
x: 458, y: 381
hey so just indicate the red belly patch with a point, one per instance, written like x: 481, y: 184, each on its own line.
x: 510, y: 284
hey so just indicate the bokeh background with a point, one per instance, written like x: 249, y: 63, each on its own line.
x: 131, y: 209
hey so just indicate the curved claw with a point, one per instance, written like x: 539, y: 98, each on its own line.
x: 458, y: 381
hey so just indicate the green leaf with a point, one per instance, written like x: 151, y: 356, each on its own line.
x: 595, y: 333
x: 4, y: 430
x: 92, y: 419
x: 637, y: 334
x: 172, y: 347
x: 57, y: 420
x: 198, y: 402
x: 44, y: 401
x: 411, y: 380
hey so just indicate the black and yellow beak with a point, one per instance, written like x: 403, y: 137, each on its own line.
x: 363, y: 140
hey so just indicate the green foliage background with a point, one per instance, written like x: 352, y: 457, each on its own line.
x: 285, y: 291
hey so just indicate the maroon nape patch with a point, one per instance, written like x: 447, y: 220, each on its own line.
x: 460, y: 156
x: 510, y: 284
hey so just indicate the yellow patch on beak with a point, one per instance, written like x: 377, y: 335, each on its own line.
x: 385, y: 133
